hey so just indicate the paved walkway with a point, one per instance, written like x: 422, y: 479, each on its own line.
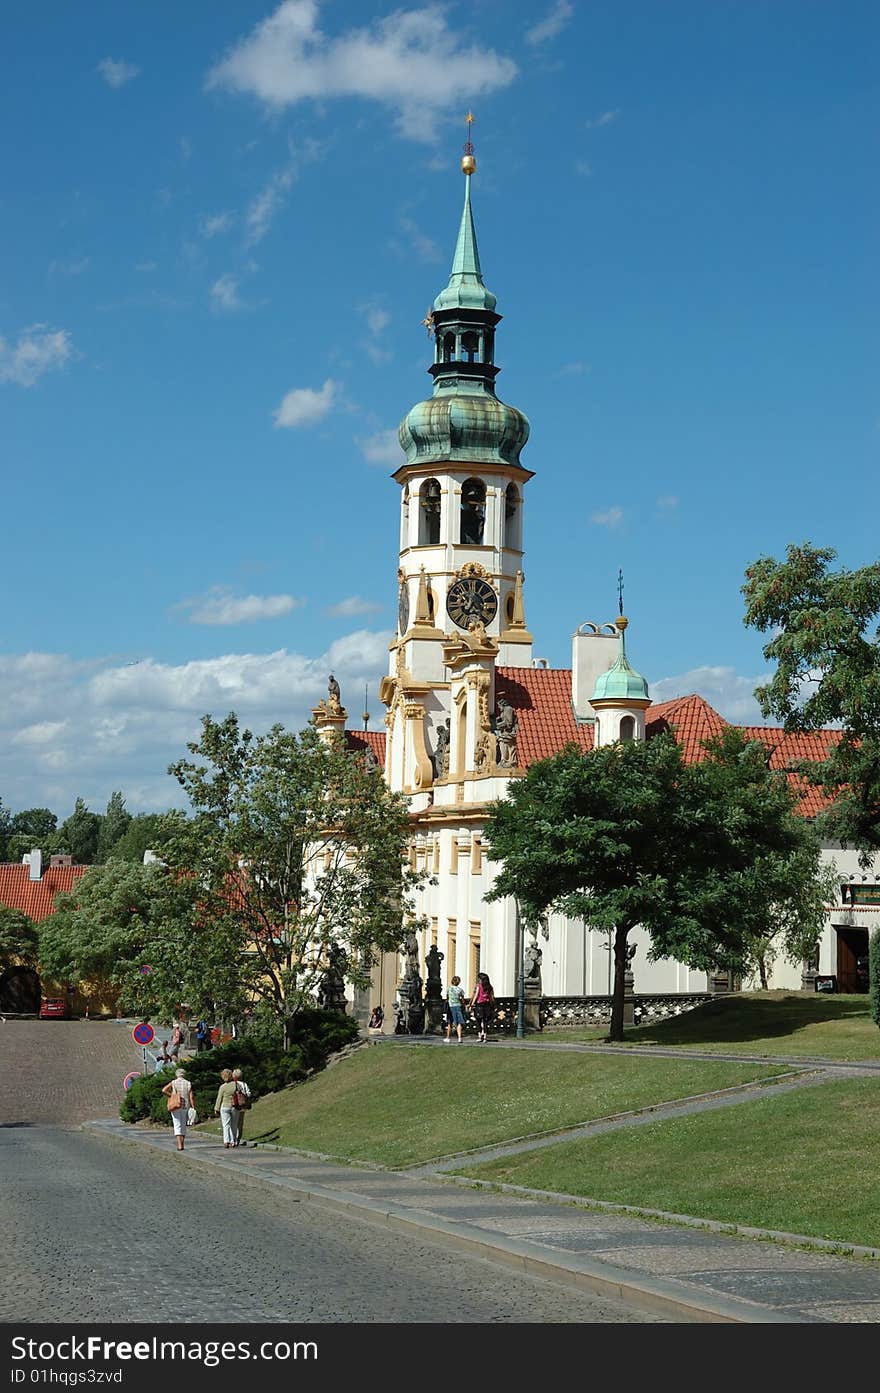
x: 58, y: 1072
x: 681, y: 1273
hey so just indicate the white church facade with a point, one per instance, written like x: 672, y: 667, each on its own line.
x: 468, y: 708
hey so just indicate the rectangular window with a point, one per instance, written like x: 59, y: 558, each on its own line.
x: 476, y: 855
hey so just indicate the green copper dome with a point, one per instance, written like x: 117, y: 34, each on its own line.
x: 463, y: 426
x: 621, y: 682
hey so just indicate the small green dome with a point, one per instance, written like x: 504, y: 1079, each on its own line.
x: 463, y: 426
x: 621, y: 682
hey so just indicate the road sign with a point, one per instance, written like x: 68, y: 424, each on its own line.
x: 143, y: 1034
x: 129, y: 1080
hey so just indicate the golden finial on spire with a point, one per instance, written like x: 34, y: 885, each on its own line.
x: 468, y: 163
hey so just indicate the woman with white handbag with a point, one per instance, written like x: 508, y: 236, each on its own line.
x: 180, y: 1105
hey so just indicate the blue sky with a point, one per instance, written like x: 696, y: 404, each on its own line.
x: 222, y: 226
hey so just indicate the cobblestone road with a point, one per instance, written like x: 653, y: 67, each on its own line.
x: 63, y: 1072
x: 95, y: 1230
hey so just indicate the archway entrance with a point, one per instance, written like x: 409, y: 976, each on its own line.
x: 20, y: 991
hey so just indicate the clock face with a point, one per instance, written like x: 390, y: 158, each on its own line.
x: 471, y: 599
x: 403, y: 607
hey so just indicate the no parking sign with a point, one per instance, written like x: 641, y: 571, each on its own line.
x: 129, y: 1080
x: 143, y: 1034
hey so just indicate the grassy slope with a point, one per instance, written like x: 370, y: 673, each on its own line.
x: 775, y: 1023
x: 396, y: 1105
x: 804, y: 1162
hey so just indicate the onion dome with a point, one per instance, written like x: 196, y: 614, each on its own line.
x: 463, y: 426
x: 621, y: 682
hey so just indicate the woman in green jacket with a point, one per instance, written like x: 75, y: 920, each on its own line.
x: 223, y: 1105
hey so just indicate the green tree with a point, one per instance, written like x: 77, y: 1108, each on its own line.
x: 874, y: 975
x: 18, y: 938
x: 824, y: 627
x: 145, y: 832
x: 5, y: 830
x: 112, y: 826
x: 32, y: 829
x: 133, y: 929
x: 79, y: 834
x: 298, y: 850
x: 631, y: 835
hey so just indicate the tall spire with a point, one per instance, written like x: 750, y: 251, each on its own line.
x: 466, y: 289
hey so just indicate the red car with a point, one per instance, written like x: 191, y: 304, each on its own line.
x: 54, y: 1008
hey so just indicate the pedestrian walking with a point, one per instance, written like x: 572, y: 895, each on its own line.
x: 179, y: 1093
x: 223, y: 1104
x: 176, y: 1041
x: 203, y: 1036
x: 242, y: 1102
x: 455, y: 997
x: 483, y: 1005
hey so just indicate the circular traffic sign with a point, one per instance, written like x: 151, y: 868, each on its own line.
x: 129, y: 1080
x: 143, y: 1034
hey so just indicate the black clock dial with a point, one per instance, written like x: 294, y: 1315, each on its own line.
x: 471, y: 599
x: 403, y: 607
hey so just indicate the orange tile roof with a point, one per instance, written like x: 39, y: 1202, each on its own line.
x: 36, y: 897
x: 541, y: 698
x: 358, y: 740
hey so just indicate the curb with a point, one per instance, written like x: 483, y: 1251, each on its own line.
x: 658, y: 1296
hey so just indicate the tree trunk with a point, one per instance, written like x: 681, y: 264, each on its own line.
x: 762, y: 971
x: 620, y: 964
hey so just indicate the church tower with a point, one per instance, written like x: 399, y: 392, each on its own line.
x: 460, y: 576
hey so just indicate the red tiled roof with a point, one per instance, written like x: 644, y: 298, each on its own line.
x: 541, y: 698
x: 358, y: 740
x: 691, y: 720
x: 36, y: 897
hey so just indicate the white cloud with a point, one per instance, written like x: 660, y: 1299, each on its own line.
x: 219, y: 606
x: 604, y: 119
x: 39, y: 350
x: 607, y: 517
x: 376, y: 317
x: 305, y: 406
x: 424, y: 246
x: 224, y: 293
x: 575, y: 369
x: 70, y: 728
x: 382, y: 448
x: 262, y: 210
x: 353, y: 605
x: 215, y: 224
x: 287, y: 59
x: 583, y: 168
x: 116, y: 72
x: 667, y: 503
x: 552, y: 25
x: 731, y: 695
x: 145, y: 267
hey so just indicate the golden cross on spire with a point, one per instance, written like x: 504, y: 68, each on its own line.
x: 468, y: 163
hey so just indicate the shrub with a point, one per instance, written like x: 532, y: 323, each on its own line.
x: 874, y: 974
x: 266, y: 1068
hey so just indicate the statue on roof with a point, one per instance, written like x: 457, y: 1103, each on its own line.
x: 335, y: 702
x: 507, y: 731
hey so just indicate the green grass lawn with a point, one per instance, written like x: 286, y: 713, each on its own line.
x: 776, y: 1023
x: 396, y: 1105
x: 804, y: 1162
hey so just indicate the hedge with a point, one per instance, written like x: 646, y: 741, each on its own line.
x: 315, y: 1036
x: 874, y: 974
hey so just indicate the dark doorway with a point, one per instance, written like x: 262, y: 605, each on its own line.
x: 20, y: 991
x: 852, y: 960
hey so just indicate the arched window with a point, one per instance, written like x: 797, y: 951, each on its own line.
x: 628, y: 728
x: 473, y: 512
x: 404, y: 520
x: 449, y: 348
x: 470, y: 346
x: 512, y: 518
x: 429, y: 513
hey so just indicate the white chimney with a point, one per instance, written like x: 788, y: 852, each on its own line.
x: 594, y: 649
x: 35, y: 861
